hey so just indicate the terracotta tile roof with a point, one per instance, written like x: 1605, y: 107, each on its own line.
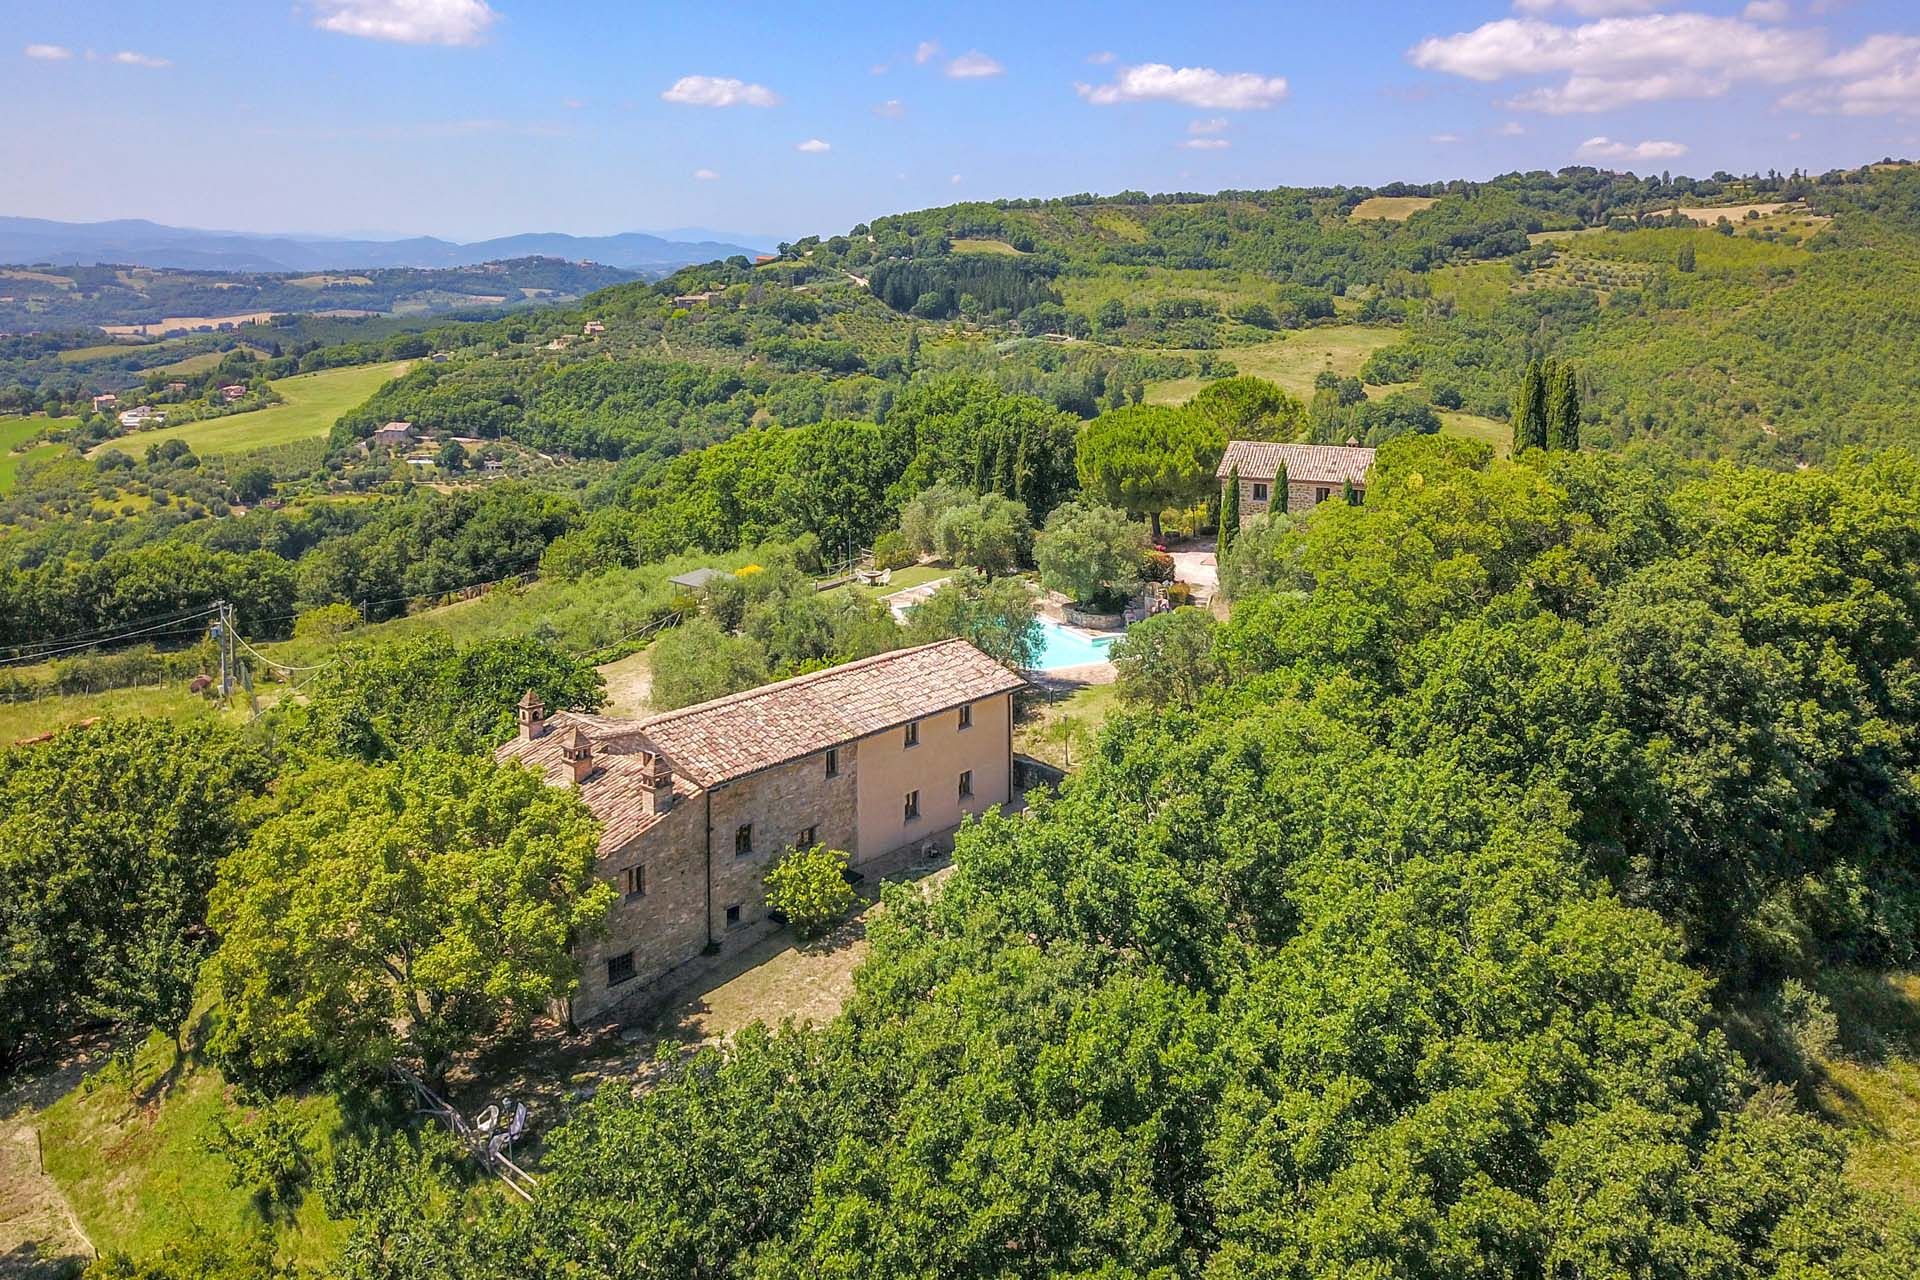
x: 715, y: 742
x: 734, y: 736
x: 1309, y: 463
x: 616, y: 790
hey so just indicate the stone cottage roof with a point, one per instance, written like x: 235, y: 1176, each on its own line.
x: 714, y: 742
x: 1306, y: 463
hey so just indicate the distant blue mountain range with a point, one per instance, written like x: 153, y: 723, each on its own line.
x: 139, y: 243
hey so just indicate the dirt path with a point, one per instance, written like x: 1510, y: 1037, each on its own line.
x: 40, y: 1238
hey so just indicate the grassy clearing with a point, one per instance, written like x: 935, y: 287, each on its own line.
x: 1868, y: 1084
x: 79, y: 355
x: 202, y: 362
x: 15, y: 433
x: 1474, y: 427
x: 1477, y: 289
x: 313, y: 402
x: 1391, y: 208
x: 1038, y: 724
x: 131, y: 1149
x: 1220, y: 287
x: 45, y: 715
x: 986, y: 246
x: 182, y: 324
x: 1292, y: 361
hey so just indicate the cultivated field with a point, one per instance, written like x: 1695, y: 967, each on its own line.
x: 1291, y: 361
x: 172, y: 324
x: 1707, y: 215
x: 1391, y: 208
x: 314, y: 401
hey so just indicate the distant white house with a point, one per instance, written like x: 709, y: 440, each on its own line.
x: 105, y: 401
x: 593, y: 327
x: 143, y: 415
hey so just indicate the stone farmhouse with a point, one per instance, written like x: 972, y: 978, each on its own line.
x: 1315, y: 473
x: 882, y: 758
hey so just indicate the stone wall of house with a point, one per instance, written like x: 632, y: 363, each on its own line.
x: 664, y: 927
x: 1301, y: 496
x: 780, y: 804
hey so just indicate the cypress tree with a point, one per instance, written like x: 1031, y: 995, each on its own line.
x: 1563, y: 424
x: 1529, y: 415
x: 1279, y: 502
x: 1229, y: 513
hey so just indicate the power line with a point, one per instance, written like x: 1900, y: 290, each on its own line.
x: 83, y: 636
x: 42, y: 655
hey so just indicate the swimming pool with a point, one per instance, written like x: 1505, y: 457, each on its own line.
x: 1062, y: 646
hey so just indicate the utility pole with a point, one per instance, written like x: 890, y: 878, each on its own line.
x: 223, y: 634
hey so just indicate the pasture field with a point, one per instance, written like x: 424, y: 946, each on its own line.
x: 46, y: 715
x: 1391, y: 208
x: 314, y: 401
x: 1707, y: 215
x: 79, y: 355
x: 15, y: 432
x: 986, y: 246
x: 1222, y: 287
x: 1292, y: 361
x: 201, y: 362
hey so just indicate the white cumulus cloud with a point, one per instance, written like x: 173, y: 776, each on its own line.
x: 1877, y: 77
x: 1100, y: 59
x: 1206, y: 144
x: 48, y: 52
x: 926, y: 51
x: 1767, y: 11
x: 128, y: 58
x: 1214, y: 124
x: 1511, y: 129
x: 719, y: 91
x: 1194, y: 86
x: 1616, y: 62
x: 813, y: 146
x: 704, y: 175
x: 407, y: 21
x: 1445, y: 139
x: 1605, y: 148
x: 973, y: 65
x: 891, y: 109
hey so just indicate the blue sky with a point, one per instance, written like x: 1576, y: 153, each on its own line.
x: 473, y: 118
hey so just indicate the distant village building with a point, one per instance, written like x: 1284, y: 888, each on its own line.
x: 1315, y: 473
x: 440, y: 357
x: 176, y: 388
x: 881, y: 758
x: 105, y: 401
x: 233, y: 391
x: 695, y: 299
x: 392, y: 436
x: 593, y: 327
x: 142, y: 415
x: 760, y: 259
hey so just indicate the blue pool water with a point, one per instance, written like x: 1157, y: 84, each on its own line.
x: 1062, y: 647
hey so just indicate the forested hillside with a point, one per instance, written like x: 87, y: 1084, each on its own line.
x: 1510, y: 872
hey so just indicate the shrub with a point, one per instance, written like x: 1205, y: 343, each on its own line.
x: 1156, y: 566
x: 890, y: 551
x: 809, y: 887
x: 327, y: 622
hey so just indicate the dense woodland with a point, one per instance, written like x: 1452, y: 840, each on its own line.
x: 1476, y: 897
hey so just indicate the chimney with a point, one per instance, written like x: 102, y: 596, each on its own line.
x: 1352, y: 443
x: 578, y: 752
x: 533, y: 716
x: 658, y: 780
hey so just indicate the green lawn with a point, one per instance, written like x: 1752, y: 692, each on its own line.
x: 1869, y: 1082
x: 1291, y: 361
x: 1086, y: 709
x: 314, y: 401
x: 131, y: 1151
x: 80, y: 355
